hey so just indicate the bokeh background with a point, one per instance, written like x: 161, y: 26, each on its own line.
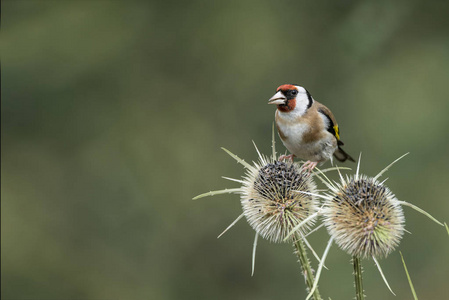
x: 114, y: 112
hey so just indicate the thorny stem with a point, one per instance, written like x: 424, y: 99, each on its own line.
x: 358, y: 278
x: 300, y: 251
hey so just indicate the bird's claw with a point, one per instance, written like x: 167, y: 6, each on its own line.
x: 309, y: 165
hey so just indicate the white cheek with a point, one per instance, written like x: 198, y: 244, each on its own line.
x: 302, y: 101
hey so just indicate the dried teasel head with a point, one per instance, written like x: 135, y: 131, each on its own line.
x: 364, y: 217
x: 276, y: 196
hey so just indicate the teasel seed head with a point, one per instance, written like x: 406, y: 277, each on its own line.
x: 364, y: 217
x: 276, y: 196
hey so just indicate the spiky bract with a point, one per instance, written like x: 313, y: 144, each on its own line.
x: 364, y: 217
x: 276, y: 196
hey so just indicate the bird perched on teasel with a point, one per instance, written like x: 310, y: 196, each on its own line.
x: 307, y: 128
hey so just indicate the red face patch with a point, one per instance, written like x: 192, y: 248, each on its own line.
x: 285, y: 87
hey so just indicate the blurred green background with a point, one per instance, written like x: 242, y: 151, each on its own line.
x: 114, y: 112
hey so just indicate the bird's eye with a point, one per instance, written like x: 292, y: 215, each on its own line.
x: 294, y: 92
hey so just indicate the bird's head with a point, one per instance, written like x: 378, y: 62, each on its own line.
x: 291, y: 97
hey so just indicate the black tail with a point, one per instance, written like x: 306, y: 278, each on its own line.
x: 341, y: 155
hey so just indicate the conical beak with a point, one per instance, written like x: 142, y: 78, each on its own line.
x: 277, y: 99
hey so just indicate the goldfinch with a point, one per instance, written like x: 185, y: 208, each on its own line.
x: 307, y: 128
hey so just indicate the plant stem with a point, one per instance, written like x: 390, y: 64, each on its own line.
x: 300, y: 251
x: 358, y: 278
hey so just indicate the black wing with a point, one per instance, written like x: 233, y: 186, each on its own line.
x: 332, y: 127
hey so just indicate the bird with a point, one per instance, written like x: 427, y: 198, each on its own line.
x: 307, y: 128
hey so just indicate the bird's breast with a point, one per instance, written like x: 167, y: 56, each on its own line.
x: 292, y: 133
x: 305, y: 137
x: 294, y: 129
